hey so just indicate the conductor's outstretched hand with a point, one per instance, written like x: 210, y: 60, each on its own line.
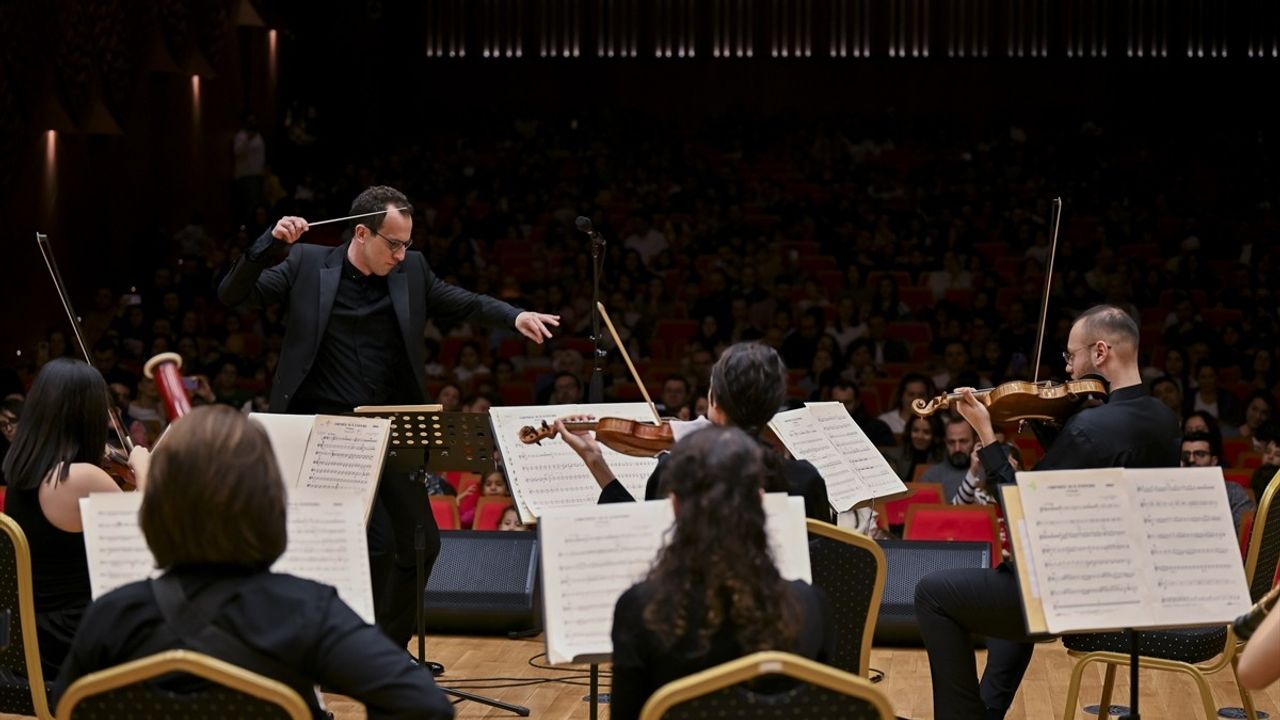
x: 533, y: 325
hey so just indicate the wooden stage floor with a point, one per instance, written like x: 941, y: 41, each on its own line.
x: 1166, y: 696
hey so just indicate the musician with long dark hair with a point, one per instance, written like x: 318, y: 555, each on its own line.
x: 748, y: 385
x: 714, y: 593
x: 55, y: 460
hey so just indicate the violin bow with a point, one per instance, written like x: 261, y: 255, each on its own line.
x: 657, y: 419
x: 46, y: 250
x: 1048, y: 283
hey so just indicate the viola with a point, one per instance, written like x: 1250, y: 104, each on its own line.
x: 1021, y: 400
x: 629, y: 437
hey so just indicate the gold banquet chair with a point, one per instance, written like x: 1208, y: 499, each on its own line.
x: 1196, y: 652
x: 849, y: 568
x: 816, y: 692
x: 22, y: 686
x: 124, y: 691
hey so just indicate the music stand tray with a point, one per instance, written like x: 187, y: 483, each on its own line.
x: 450, y: 440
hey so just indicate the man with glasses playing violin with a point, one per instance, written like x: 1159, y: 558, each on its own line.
x: 1132, y: 429
x: 356, y: 314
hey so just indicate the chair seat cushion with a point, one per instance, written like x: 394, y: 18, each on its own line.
x: 1190, y: 645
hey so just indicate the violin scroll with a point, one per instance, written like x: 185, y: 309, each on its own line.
x: 924, y: 409
x: 530, y: 435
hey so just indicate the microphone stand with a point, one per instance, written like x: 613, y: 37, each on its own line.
x: 595, y: 390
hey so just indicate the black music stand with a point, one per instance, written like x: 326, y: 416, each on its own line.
x: 425, y: 438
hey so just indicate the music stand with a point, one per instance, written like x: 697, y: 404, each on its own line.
x: 423, y: 438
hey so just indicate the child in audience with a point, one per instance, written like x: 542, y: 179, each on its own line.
x: 511, y: 520
x: 494, y: 484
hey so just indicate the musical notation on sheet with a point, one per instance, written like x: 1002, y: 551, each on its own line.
x: 114, y: 545
x: 592, y: 554
x: 1190, y: 540
x: 1077, y: 526
x: 857, y: 449
x: 551, y: 475
x: 1133, y: 548
x: 806, y: 439
x: 328, y: 544
x: 345, y: 454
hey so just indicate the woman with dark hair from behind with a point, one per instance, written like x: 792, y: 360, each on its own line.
x: 55, y: 460
x: 714, y: 593
x: 214, y: 518
x: 748, y: 384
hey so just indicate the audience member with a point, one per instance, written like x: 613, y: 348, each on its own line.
x: 1199, y: 450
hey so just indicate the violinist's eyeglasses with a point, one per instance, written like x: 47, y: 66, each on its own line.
x: 1069, y: 353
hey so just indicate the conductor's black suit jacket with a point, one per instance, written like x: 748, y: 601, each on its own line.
x: 305, y: 285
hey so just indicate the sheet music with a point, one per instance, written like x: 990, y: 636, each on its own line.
x: 1191, y: 541
x: 345, y: 453
x: 806, y: 439
x: 1080, y: 524
x: 327, y: 543
x: 868, y: 462
x: 591, y: 554
x: 1115, y: 548
x: 289, y: 435
x: 114, y: 545
x: 551, y: 475
x: 788, y: 536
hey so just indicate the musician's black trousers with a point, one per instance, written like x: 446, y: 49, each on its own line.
x: 951, y: 605
x: 401, y: 505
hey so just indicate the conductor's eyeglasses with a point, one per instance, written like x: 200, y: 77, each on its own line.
x: 394, y: 244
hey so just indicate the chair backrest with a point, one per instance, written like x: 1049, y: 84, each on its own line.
x: 895, y: 511
x: 445, y: 510
x: 230, y: 691
x: 489, y: 511
x: 22, y: 688
x: 1260, y: 565
x: 850, y: 569
x: 954, y: 522
x: 816, y: 692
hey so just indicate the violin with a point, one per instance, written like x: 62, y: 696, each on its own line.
x: 629, y: 437
x: 116, y: 464
x: 1021, y: 400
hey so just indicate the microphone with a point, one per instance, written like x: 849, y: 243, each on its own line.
x: 1245, y: 625
x: 584, y: 225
